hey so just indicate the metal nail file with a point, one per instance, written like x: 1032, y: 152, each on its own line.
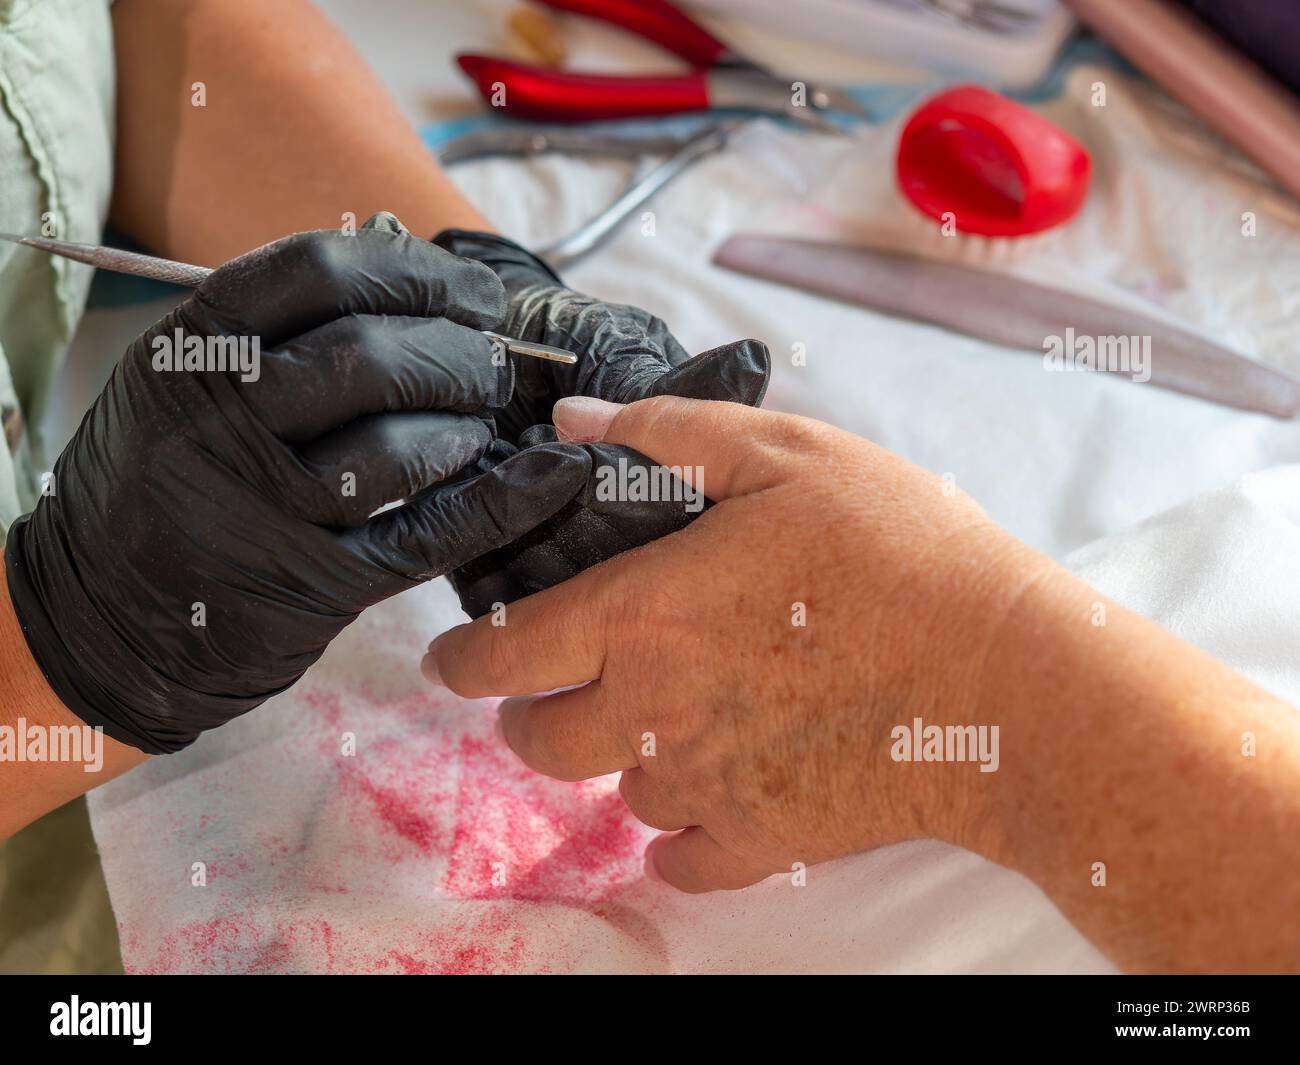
x: 131, y: 262
x: 1012, y: 312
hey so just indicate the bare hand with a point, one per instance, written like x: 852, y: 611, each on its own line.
x: 745, y: 673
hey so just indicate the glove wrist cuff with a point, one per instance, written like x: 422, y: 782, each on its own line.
x: 63, y: 643
x: 75, y: 688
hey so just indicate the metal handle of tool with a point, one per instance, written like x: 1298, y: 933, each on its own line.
x: 512, y: 140
x: 655, y: 20
x: 119, y: 260
x: 527, y: 91
x: 587, y: 237
x: 151, y: 266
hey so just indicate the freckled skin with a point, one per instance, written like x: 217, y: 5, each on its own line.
x: 795, y: 730
x: 1118, y: 745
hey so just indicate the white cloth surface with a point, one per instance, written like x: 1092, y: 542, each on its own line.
x: 431, y: 850
x: 1222, y: 571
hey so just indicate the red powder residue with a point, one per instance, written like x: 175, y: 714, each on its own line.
x: 522, y: 836
x: 438, y: 792
x: 504, y: 831
x: 297, y: 946
x: 402, y: 813
x: 398, y: 791
x: 493, y: 944
x: 229, y: 867
x: 220, y: 944
x: 240, y: 944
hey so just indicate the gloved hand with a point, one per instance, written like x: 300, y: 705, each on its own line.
x: 596, y: 525
x: 624, y: 354
x: 585, y: 531
x: 207, y: 534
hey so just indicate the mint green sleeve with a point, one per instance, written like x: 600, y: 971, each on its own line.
x: 56, y: 167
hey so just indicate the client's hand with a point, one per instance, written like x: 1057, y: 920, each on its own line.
x: 745, y: 673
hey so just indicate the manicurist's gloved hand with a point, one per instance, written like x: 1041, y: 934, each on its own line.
x: 624, y: 354
x: 207, y: 532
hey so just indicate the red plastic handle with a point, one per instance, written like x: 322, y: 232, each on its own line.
x: 999, y: 168
x: 526, y: 91
x: 655, y: 20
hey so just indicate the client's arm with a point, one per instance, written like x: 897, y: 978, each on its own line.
x: 758, y: 679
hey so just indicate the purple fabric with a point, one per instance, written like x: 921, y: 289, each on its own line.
x: 1266, y: 30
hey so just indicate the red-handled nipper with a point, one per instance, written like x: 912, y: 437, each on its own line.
x: 991, y: 165
x: 721, y: 78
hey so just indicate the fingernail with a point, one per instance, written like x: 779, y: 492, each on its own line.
x: 651, y: 870
x: 506, y: 707
x: 429, y: 667
x: 583, y: 419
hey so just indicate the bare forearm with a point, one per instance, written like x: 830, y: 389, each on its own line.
x: 294, y: 132
x: 1155, y: 793
x: 36, y: 773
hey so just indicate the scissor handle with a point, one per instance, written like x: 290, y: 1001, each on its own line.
x: 526, y: 91
x: 655, y: 20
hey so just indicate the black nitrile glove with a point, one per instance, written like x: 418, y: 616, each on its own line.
x: 623, y: 352
x: 586, y: 531
x: 208, y: 535
x: 594, y: 526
